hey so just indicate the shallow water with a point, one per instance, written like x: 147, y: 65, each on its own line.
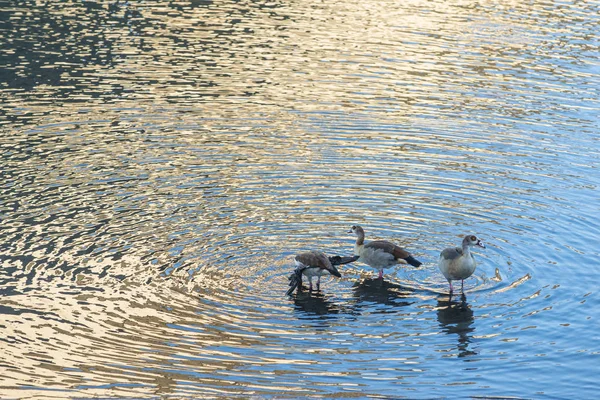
x: 163, y: 162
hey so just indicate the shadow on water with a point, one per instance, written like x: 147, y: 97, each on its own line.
x: 368, y: 293
x: 382, y: 292
x: 456, y: 317
x: 315, y: 303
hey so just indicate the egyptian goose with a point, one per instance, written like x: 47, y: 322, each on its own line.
x: 315, y: 263
x: 380, y: 254
x: 458, y: 263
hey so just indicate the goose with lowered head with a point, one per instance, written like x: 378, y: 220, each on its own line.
x: 315, y: 263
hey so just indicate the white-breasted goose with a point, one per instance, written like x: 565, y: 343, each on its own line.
x: 380, y: 254
x: 457, y: 263
x: 315, y: 263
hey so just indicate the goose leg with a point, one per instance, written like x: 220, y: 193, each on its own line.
x: 462, y: 285
x: 318, y: 283
x: 451, y: 288
x: 310, y: 283
x: 380, y: 274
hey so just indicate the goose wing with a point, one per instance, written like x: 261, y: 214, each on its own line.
x: 314, y: 259
x: 451, y: 253
x: 397, y: 251
x: 391, y: 248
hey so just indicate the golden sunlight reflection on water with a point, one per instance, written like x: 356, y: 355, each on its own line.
x: 163, y: 162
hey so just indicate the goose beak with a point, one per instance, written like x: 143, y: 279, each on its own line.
x: 350, y: 231
x: 480, y: 244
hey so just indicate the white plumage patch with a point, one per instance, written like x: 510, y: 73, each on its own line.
x: 311, y: 271
x: 458, y: 268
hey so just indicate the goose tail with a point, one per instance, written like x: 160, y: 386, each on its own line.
x: 413, y: 261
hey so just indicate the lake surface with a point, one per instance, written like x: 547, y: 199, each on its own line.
x: 162, y: 163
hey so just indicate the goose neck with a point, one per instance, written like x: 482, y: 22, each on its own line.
x: 360, y: 239
x: 466, y: 249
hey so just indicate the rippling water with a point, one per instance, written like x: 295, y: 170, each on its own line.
x: 162, y: 162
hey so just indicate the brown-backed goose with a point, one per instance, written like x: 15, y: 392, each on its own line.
x: 458, y: 263
x: 380, y: 254
x: 315, y: 263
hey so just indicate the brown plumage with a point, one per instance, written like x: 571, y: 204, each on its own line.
x: 316, y: 259
x: 396, y: 251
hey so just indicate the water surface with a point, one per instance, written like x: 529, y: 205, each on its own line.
x: 162, y: 162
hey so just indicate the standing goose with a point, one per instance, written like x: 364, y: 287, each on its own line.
x: 380, y: 254
x: 458, y: 263
x: 315, y: 263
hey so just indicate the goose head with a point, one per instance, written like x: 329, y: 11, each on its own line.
x: 472, y: 240
x: 357, y: 230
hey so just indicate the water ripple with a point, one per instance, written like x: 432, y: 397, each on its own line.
x: 162, y: 163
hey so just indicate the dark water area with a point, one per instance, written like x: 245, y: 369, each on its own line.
x: 162, y: 163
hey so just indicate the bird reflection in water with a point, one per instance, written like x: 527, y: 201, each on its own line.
x: 382, y: 292
x: 315, y: 303
x: 456, y: 317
